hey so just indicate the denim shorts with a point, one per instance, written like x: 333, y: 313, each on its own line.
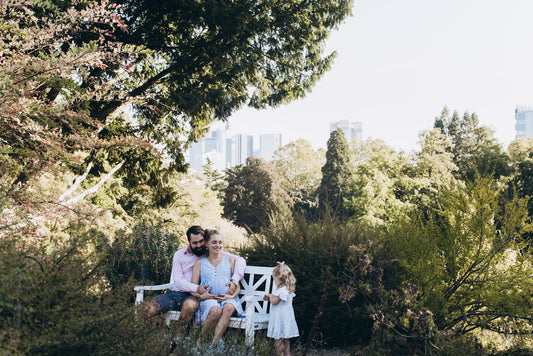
x: 172, y: 300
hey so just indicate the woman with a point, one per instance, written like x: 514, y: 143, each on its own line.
x: 215, y: 271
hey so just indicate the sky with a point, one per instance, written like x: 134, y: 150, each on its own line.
x: 399, y: 63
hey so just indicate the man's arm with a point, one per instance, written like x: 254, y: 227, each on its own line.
x: 181, y: 283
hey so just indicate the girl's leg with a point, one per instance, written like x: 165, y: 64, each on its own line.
x: 279, y: 347
x: 223, y: 321
x: 287, y: 348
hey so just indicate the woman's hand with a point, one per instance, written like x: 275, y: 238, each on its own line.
x: 222, y: 297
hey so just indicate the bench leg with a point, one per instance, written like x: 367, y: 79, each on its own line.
x: 249, y: 335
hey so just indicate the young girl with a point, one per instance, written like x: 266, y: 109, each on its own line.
x: 282, y: 325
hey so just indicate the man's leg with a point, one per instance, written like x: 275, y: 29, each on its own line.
x: 188, y: 308
x: 150, y: 309
x: 223, y: 322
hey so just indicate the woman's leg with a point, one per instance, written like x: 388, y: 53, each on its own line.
x: 212, y: 319
x: 223, y: 322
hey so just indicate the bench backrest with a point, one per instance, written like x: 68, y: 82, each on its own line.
x: 257, y: 281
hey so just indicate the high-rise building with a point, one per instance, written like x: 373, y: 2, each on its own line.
x: 352, y: 129
x: 524, y: 121
x: 227, y: 152
x: 242, y: 148
x: 268, y: 144
x: 210, y: 147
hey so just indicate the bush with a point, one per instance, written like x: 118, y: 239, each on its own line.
x: 306, y: 247
x: 55, y: 300
x: 145, y: 255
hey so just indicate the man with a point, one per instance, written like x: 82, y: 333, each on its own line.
x: 179, y: 296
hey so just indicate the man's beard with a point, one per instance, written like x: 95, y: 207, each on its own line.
x: 199, y: 251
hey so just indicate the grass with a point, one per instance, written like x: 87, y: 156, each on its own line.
x: 234, y: 345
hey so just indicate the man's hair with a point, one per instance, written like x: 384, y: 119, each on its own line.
x: 194, y: 230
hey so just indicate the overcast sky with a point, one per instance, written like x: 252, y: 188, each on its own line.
x: 400, y: 62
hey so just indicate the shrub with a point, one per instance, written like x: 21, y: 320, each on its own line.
x: 55, y: 300
x: 306, y: 247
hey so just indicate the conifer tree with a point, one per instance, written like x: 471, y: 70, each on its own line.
x: 337, y: 175
x: 254, y: 194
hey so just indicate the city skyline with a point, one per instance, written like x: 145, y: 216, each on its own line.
x: 400, y: 63
x: 226, y: 149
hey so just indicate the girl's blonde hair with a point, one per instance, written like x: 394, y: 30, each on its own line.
x: 284, y: 274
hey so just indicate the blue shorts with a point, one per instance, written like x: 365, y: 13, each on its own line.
x: 172, y: 300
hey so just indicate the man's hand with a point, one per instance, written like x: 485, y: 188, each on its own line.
x: 205, y: 295
x: 201, y: 289
x: 232, y: 287
x: 266, y: 297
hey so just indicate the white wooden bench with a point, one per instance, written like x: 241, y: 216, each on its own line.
x: 256, y: 283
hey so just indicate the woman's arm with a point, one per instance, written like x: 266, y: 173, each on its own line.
x: 229, y: 294
x: 238, y: 285
x: 195, y: 278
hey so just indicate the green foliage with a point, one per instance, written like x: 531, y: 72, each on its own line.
x: 377, y: 195
x: 254, y: 194
x: 306, y: 246
x: 214, y: 179
x: 299, y: 167
x: 337, y: 176
x: 464, y: 255
x: 43, y: 123
x: 401, y: 324
x: 145, y: 255
x: 54, y: 300
x: 474, y: 148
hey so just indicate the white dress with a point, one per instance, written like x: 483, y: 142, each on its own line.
x: 282, y: 324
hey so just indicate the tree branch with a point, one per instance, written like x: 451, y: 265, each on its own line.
x: 96, y: 187
x: 76, y: 184
x: 111, y: 106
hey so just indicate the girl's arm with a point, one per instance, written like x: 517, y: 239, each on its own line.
x: 272, y: 298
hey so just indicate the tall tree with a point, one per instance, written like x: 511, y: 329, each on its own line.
x: 299, y: 167
x: 474, y: 147
x: 378, y: 185
x: 179, y: 66
x: 337, y: 175
x: 254, y: 195
x: 431, y: 170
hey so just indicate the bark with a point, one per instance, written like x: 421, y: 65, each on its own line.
x: 95, y: 188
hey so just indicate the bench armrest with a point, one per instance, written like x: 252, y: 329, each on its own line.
x: 140, y: 290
